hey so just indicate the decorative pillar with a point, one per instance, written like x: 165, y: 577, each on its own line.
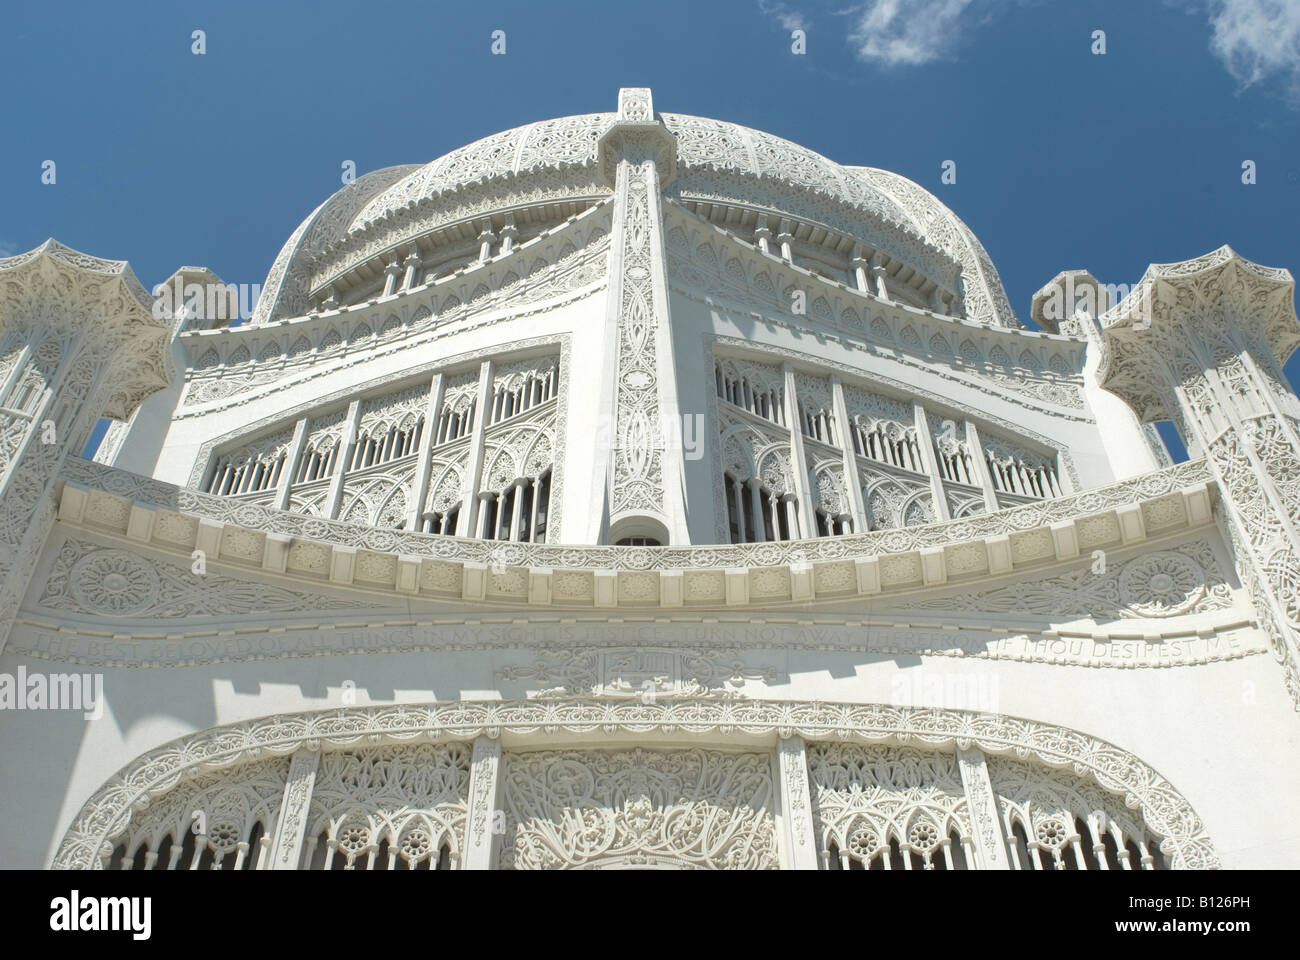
x: 509, y: 234
x: 79, y: 339
x: 482, y: 842
x: 857, y: 505
x: 347, y: 444
x: 391, y: 273
x: 756, y: 508
x: 859, y: 264
x: 931, y: 462
x: 786, y: 239
x: 291, y: 825
x: 881, y: 273
x: 467, y: 522
x: 987, y: 836
x: 516, y: 505
x: 798, y: 459
x: 1202, y: 343
x: 975, y: 450
x: 645, y: 470
x: 290, y: 465
x: 763, y: 235
x: 798, y: 837
x: 412, y: 265
x: 432, y: 413
x: 737, y: 494
x: 485, y: 240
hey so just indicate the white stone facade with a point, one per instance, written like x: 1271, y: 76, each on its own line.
x: 641, y: 490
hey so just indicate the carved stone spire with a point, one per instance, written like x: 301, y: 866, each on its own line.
x: 1203, y: 343
x: 78, y: 341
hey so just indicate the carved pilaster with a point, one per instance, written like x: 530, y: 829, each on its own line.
x: 432, y: 411
x: 347, y: 447
x: 291, y: 825
x: 77, y: 340
x: 482, y: 842
x: 1197, y: 342
x: 852, y: 480
x: 988, y: 839
x: 470, y: 520
x: 638, y: 155
x: 799, y: 840
x: 929, y: 458
x: 798, y: 458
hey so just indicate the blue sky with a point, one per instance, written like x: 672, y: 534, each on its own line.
x: 1065, y: 159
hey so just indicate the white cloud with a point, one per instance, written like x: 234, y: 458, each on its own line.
x: 908, y: 32
x: 787, y: 18
x: 1258, y: 41
x: 7, y: 249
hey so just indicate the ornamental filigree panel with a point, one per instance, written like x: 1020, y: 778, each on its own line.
x: 87, y: 579
x: 866, y: 797
x: 405, y: 801
x: 1183, y: 579
x: 685, y: 809
x: 206, y: 818
x: 1055, y: 820
x: 638, y: 456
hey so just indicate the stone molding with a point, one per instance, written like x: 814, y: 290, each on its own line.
x: 107, y: 814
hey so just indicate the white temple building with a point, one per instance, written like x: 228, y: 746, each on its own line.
x: 639, y: 490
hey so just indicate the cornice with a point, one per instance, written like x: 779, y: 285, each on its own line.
x: 875, y: 564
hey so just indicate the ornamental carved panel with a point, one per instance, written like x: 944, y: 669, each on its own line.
x: 685, y: 809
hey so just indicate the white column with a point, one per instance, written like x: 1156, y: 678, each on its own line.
x: 853, y: 482
x: 509, y: 234
x: 469, y: 514
x: 291, y: 465
x: 981, y: 466
x: 516, y: 505
x: 798, y: 837
x: 989, y: 839
x: 881, y: 273
x: 754, y: 486
x: 786, y: 239
x: 931, y: 461
x: 485, y: 239
x: 481, y: 841
x: 391, y: 273
x: 738, y: 494
x: 535, y: 485
x: 798, y: 460
x: 291, y: 825
x: 763, y: 235
x: 860, y: 265
x: 412, y: 267
x: 432, y: 411
x: 346, y: 445
x: 644, y: 474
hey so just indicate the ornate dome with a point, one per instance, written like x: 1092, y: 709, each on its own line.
x: 543, y: 172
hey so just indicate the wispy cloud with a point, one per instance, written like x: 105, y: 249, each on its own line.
x: 1258, y: 41
x: 911, y: 32
x: 788, y: 19
x: 7, y: 249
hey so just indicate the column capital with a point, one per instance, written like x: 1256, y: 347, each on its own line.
x: 54, y: 287
x: 638, y: 130
x: 1191, y: 309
